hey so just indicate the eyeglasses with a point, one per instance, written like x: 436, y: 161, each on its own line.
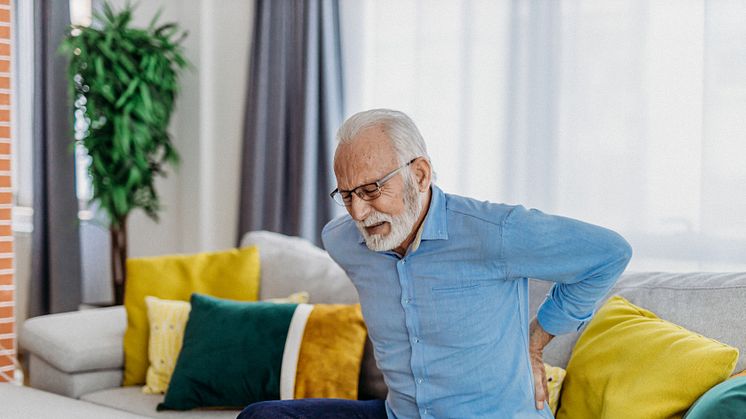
x: 367, y: 192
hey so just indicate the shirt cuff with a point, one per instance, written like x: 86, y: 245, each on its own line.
x: 556, y: 321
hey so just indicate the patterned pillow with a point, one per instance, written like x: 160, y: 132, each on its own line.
x: 555, y: 377
x: 167, y: 321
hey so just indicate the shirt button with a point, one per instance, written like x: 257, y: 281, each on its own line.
x: 419, y: 381
x: 417, y: 340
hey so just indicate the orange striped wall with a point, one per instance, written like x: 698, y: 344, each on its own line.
x: 7, y: 288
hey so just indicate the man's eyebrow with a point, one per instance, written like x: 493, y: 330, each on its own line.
x: 358, y: 186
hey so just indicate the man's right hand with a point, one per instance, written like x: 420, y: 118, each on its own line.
x: 538, y: 339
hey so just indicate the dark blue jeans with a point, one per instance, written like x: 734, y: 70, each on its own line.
x: 315, y: 408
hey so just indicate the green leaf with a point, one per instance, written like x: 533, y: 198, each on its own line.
x: 128, y: 63
x: 133, y: 178
x: 127, y: 93
x: 145, y: 94
x: 119, y: 197
x: 153, y: 21
x: 99, y: 63
x: 122, y: 75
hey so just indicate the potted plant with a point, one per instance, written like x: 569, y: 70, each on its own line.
x: 123, y: 81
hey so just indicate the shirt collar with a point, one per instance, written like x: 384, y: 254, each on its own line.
x: 436, y: 227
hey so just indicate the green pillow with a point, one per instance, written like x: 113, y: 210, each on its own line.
x: 231, y: 355
x: 724, y: 401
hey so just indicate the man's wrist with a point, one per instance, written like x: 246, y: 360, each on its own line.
x: 538, y: 337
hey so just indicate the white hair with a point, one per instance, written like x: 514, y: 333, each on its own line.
x: 401, y: 130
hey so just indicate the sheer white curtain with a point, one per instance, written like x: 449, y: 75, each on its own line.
x: 628, y: 114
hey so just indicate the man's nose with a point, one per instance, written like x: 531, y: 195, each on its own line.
x: 358, y: 208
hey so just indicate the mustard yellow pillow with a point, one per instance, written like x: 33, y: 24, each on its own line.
x: 231, y: 274
x: 629, y: 363
x: 331, y: 349
x: 167, y: 320
x: 555, y: 378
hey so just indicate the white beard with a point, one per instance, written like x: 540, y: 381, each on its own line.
x: 401, y: 225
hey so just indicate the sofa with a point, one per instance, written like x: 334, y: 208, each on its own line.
x: 79, y: 354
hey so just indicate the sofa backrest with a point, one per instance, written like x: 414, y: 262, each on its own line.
x: 711, y: 304
x: 292, y: 264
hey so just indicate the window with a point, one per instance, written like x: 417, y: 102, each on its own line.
x: 80, y: 14
x: 22, y: 107
x: 22, y: 113
x: 626, y: 114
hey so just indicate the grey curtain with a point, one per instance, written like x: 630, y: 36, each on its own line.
x: 294, y: 106
x: 55, y: 276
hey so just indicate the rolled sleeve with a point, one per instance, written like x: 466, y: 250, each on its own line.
x: 557, y: 320
x: 584, y: 261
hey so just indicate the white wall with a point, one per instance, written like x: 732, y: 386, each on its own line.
x: 200, y: 200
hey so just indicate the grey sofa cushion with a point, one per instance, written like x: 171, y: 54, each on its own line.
x: 26, y: 402
x: 133, y: 400
x: 45, y: 377
x: 291, y: 264
x: 78, y: 341
x: 711, y: 304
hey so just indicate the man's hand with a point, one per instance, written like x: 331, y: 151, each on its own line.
x: 537, y: 340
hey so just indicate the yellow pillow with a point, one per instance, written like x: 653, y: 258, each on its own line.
x: 629, y: 363
x: 168, y: 319
x: 555, y: 377
x: 231, y: 274
x: 328, y: 363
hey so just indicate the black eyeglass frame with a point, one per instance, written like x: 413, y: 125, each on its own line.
x: 362, y: 192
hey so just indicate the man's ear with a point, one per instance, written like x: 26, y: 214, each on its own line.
x: 422, y: 174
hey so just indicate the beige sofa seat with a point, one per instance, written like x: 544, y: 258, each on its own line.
x: 26, y: 402
x: 132, y: 399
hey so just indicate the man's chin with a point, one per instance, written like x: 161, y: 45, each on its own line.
x: 379, y: 242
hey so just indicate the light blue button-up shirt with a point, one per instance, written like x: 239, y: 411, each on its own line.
x: 449, y: 320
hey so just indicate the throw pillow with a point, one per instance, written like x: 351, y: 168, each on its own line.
x: 628, y: 363
x: 555, y: 378
x: 168, y: 319
x: 328, y: 364
x: 231, y: 354
x: 726, y: 400
x: 228, y: 274
x: 255, y: 364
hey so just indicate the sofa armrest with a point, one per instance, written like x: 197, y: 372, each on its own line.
x: 78, y: 341
x: 45, y: 377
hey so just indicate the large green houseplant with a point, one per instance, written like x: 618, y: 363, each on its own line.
x: 123, y: 81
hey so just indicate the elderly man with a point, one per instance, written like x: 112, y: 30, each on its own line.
x: 443, y: 282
